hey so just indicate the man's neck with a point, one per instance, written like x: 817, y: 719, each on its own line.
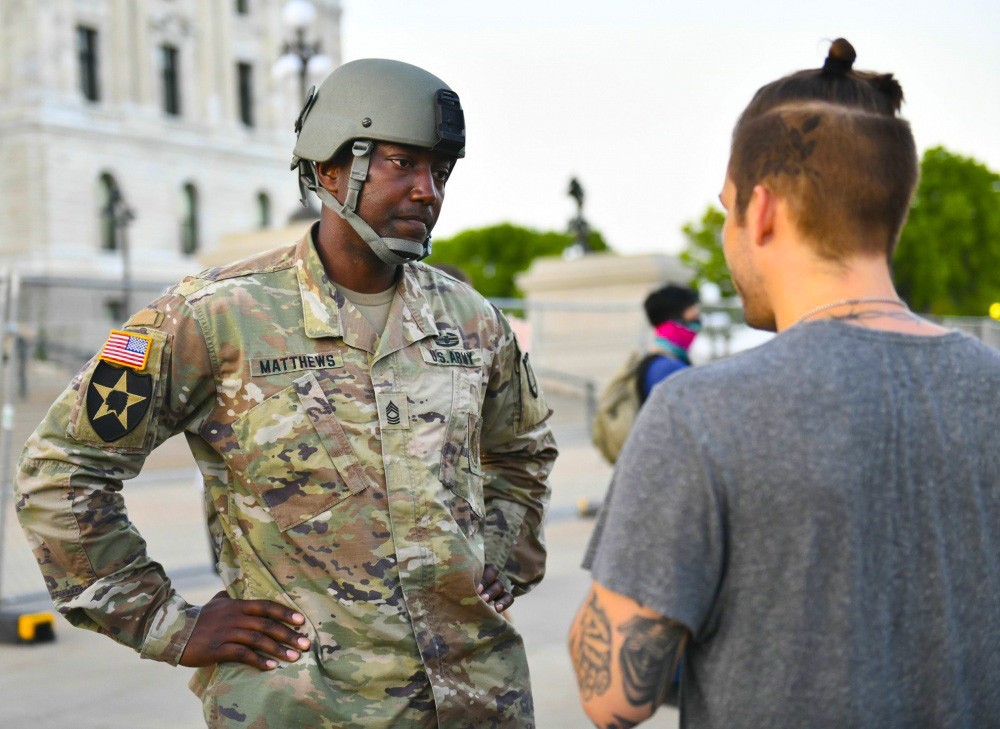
x: 858, y: 291
x: 348, y: 260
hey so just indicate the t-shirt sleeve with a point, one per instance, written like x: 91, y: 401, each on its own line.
x: 659, y: 538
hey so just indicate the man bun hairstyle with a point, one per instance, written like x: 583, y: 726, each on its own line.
x: 831, y: 142
x: 840, y: 59
x: 836, y: 82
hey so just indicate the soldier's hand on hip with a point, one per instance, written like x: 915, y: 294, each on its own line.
x: 254, y: 632
x: 492, y: 589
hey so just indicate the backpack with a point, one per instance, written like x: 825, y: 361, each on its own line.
x: 618, y: 405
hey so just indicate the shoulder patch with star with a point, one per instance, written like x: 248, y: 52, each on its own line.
x: 117, y: 400
x: 116, y: 408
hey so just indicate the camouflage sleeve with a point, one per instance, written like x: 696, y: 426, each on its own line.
x: 517, y: 450
x: 68, y: 492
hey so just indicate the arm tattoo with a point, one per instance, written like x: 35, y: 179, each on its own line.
x: 591, y: 649
x: 648, y: 657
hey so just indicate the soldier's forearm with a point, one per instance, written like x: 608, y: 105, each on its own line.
x: 93, y: 559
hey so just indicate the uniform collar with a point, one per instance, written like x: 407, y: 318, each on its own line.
x: 326, y: 313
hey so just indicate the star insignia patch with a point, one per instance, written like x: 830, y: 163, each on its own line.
x: 117, y: 400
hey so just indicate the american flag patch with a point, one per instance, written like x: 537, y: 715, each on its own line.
x: 127, y: 348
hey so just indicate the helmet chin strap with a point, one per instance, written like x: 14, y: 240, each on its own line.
x: 392, y: 251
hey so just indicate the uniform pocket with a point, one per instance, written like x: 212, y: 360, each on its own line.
x: 295, y: 455
x: 461, y: 468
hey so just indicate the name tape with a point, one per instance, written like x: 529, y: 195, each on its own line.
x: 264, y: 366
x: 453, y: 357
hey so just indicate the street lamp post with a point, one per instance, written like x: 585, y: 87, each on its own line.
x: 120, y: 215
x: 304, y: 59
x: 300, y: 56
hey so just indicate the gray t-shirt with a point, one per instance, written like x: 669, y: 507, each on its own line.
x: 823, y: 513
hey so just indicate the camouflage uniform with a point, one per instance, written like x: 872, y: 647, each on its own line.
x: 364, y: 482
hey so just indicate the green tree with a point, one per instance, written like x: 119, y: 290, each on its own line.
x: 948, y: 259
x: 493, y: 256
x: 703, y: 253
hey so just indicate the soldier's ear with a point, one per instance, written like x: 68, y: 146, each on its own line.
x: 328, y: 175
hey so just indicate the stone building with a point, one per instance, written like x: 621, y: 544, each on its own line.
x: 169, y: 107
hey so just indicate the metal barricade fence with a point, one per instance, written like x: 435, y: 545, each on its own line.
x: 577, y: 346
x: 52, y: 326
x: 590, y: 340
x: 982, y: 328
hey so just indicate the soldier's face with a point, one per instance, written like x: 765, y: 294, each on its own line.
x: 405, y: 189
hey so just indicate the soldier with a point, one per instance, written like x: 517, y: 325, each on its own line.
x: 373, y: 442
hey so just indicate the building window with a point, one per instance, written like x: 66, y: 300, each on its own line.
x: 170, y: 69
x: 263, y: 210
x: 189, y: 222
x: 109, y: 198
x: 86, y: 51
x: 245, y: 73
x: 243, y: 7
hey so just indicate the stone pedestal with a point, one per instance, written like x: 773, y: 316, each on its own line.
x: 237, y: 246
x: 586, y: 314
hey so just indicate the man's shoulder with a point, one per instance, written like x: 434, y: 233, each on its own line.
x: 450, y: 293
x: 275, y: 259
x: 719, y: 388
x: 820, y: 357
x: 734, y: 367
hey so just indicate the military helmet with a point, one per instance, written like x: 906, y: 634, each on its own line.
x: 375, y: 100
x: 381, y: 100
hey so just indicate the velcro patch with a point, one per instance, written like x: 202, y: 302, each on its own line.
x: 280, y: 364
x: 117, y: 400
x: 127, y: 349
x: 145, y: 318
x: 453, y: 357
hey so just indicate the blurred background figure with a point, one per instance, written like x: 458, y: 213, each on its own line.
x: 674, y: 312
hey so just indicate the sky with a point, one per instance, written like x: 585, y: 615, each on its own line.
x: 637, y: 98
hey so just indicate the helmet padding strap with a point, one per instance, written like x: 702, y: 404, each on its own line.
x: 362, y: 151
x: 392, y: 251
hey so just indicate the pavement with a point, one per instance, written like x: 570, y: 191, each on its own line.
x: 86, y: 681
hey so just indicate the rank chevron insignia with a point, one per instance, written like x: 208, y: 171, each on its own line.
x: 117, y: 400
x: 392, y: 413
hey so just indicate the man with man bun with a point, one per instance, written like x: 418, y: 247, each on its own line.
x: 812, y: 527
x: 372, y: 439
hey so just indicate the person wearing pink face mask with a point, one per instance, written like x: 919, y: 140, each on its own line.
x: 673, y: 312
